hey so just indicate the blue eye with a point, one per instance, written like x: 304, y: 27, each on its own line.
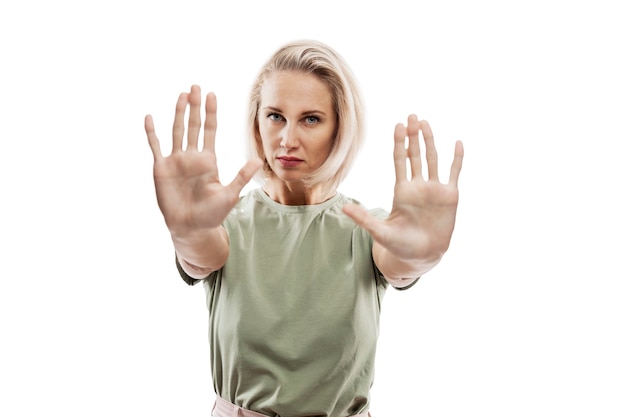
x: 311, y: 120
x: 275, y: 117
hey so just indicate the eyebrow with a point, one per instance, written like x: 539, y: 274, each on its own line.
x: 277, y: 110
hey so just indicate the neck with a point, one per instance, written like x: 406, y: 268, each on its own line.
x: 291, y: 194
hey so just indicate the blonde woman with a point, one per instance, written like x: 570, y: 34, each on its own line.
x: 294, y: 271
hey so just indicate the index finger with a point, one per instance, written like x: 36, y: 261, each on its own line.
x: 457, y: 163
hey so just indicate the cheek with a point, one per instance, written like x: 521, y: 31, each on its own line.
x: 265, y: 140
x: 263, y: 134
x: 330, y: 140
x: 266, y: 132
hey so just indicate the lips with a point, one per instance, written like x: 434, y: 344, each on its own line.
x: 289, y: 161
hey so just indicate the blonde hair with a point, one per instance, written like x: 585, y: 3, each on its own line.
x: 316, y: 58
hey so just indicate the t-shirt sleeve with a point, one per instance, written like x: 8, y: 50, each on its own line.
x: 408, y: 286
x: 189, y: 280
x: 380, y: 214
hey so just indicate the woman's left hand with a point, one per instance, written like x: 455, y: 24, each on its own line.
x: 419, y: 227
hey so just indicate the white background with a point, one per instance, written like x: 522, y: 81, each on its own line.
x: 524, y: 316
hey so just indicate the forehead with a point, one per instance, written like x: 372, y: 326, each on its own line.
x: 288, y: 89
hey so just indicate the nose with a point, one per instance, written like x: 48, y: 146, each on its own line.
x: 289, y: 136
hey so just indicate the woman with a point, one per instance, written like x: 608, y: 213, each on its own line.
x: 294, y: 271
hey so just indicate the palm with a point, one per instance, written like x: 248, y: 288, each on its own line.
x: 423, y: 213
x: 189, y: 192
x: 422, y: 217
x: 187, y: 183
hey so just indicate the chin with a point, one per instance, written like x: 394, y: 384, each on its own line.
x: 288, y: 177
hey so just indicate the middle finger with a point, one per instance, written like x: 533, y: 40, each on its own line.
x: 194, y: 118
x: 413, y: 151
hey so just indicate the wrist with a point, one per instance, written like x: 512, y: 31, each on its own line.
x: 201, y: 251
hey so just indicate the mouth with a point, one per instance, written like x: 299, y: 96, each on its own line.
x: 289, y: 161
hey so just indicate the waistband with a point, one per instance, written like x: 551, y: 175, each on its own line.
x: 223, y: 408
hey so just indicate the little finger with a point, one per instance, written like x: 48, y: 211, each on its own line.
x: 153, y: 141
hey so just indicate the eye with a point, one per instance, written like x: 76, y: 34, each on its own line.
x: 275, y: 117
x: 311, y: 120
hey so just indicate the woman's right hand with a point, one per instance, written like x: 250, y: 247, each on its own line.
x: 188, y: 189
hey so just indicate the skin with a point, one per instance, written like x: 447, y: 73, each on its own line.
x: 417, y: 233
x: 295, y: 121
x: 189, y: 192
x: 297, y: 124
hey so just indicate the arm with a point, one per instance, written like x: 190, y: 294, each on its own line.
x: 203, y: 252
x: 193, y: 201
x: 417, y: 233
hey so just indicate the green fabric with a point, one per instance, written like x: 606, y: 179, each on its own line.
x: 294, y: 312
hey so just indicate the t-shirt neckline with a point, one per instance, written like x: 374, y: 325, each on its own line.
x: 296, y: 209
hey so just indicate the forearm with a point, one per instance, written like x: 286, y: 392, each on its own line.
x: 200, y: 253
x: 403, y: 272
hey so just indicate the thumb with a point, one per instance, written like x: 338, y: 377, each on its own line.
x: 245, y: 175
x: 364, y: 219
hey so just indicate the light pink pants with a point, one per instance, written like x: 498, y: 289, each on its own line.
x: 223, y: 408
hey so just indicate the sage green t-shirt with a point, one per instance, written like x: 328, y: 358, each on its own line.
x: 294, y: 312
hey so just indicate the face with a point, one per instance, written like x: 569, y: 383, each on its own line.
x: 297, y: 124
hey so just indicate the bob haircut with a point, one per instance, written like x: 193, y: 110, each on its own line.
x: 313, y: 57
